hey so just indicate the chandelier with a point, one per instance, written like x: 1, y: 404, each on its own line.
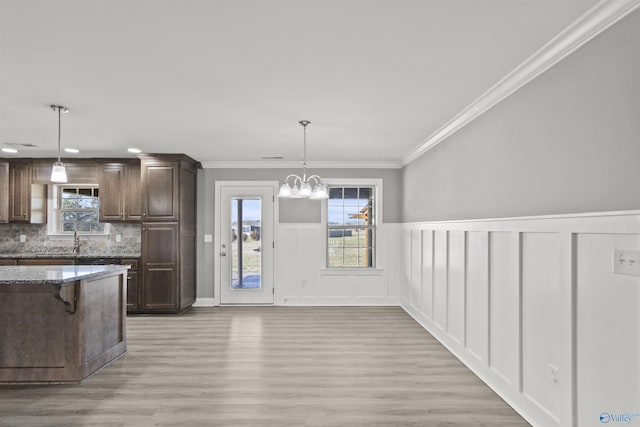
x: 305, y: 187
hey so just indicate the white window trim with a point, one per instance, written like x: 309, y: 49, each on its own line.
x: 377, y: 184
x: 53, y: 217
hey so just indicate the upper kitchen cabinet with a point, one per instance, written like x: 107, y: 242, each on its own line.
x: 79, y: 171
x: 4, y: 191
x: 168, y: 186
x: 20, y: 191
x: 120, y: 191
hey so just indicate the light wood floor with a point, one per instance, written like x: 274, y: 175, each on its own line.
x: 285, y: 366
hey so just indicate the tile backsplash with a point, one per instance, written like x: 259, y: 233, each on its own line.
x: 38, y: 244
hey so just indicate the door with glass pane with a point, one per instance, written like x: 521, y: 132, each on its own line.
x: 246, y: 244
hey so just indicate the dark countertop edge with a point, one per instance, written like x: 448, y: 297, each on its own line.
x: 66, y: 256
x: 111, y: 268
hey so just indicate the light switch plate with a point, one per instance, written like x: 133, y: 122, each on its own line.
x: 208, y: 238
x: 626, y: 262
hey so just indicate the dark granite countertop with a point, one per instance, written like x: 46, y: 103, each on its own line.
x: 64, y: 255
x: 53, y: 274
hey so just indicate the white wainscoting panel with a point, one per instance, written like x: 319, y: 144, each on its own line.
x: 540, y: 318
x: 477, y: 330
x: 608, y: 342
x: 456, y: 300
x: 504, y: 304
x: 415, y: 292
x: 440, y: 260
x: 427, y: 273
x: 533, y: 307
x: 302, y: 279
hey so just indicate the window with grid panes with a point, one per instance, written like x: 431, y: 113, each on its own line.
x: 79, y: 209
x: 351, y: 227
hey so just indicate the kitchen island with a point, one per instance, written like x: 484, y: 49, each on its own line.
x: 60, y: 324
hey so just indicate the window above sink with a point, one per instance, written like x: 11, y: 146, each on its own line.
x: 73, y: 208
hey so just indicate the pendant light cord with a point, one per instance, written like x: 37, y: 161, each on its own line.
x: 59, y: 134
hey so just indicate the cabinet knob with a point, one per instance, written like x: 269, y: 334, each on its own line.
x: 144, y: 229
x: 144, y: 214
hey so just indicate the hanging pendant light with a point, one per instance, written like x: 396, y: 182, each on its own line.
x: 311, y: 187
x: 58, y: 172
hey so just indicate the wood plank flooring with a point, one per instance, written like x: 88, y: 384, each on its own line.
x: 270, y: 366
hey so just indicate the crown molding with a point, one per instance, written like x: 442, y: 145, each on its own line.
x: 288, y: 164
x: 593, y: 22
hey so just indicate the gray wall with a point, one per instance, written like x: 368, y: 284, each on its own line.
x: 567, y: 142
x: 308, y: 211
x: 291, y: 211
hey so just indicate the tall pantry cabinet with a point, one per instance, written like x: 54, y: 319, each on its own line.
x: 168, y: 233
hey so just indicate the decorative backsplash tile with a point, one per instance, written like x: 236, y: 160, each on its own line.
x: 37, y: 244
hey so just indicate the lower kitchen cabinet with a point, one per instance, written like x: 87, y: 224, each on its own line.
x: 160, y: 285
x: 133, y: 290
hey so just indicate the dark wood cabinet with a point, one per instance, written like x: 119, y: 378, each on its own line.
x: 160, y: 179
x: 4, y: 192
x: 132, y: 283
x: 79, y: 171
x: 19, y: 191
x: 120, y: 192
x: 168, y: 270
x: 160, y: 266
x: 133, y: 192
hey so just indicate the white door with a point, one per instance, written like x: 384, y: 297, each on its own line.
x: 246, y: 223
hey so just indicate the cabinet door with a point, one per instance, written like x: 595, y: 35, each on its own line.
x: 4, y: 192
x: 112, y: 178
x: 160, y: 190
x: 132, y: 194
x: 19, y: 192
x: 132, y: 291
x: 133, y: 278
x: 159, y: 267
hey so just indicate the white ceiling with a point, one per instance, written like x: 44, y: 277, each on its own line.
x: 228, y: 80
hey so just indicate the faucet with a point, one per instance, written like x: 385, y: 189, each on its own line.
x: 76, y: 243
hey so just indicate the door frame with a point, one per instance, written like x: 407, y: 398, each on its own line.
x: 217, y: 285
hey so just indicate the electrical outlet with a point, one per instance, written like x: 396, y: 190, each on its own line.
x: 554, y: 374
x: 626, y: 262
x: 118, y: 237
x: 23, y: 238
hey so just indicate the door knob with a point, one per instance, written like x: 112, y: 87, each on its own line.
x: 223, y: 254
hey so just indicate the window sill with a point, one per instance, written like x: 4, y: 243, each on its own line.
x: 95, y: 237
x: 351, y: 272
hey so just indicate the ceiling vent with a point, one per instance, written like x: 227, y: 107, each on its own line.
x: 18, y: 144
